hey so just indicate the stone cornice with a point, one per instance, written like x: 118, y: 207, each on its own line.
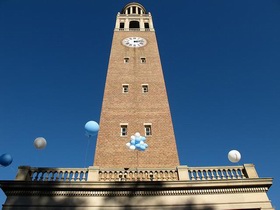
x: 135, y: 188
x: 108, y: 193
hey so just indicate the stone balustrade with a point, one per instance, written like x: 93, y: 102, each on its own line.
x: 181, y: 173
x: 216, y: 173
x: 133, y: 29
x: 52, y: 174
x: 139, y: 175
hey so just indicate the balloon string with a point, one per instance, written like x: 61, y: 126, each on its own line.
x: 137, y: 161
x: 12, y: 168
x: 87, y: 148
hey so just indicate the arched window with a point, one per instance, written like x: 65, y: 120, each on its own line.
x: 146, y: 25
x: 134, y: 24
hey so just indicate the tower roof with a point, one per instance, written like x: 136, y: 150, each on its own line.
x: 130, y: 6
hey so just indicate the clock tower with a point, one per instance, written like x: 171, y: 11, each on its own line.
x: 135, y: 98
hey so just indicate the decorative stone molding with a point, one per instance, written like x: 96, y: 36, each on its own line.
x: 108, y: 193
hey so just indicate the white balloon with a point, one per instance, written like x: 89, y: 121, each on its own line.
x: 234, y: 156
x: 132, y: 137
x: 132, y: 147
x: 142, y: 142
x: 137, y: 134
x: 40, y: 143
x: 128, y: 145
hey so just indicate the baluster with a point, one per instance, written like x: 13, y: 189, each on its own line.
x: 222, y: 174
x: 81, y: 176
x: 191, y: 174
x: 131, y: 175
x: 196, y: 175
x: 58, y: 178
x: 41, y: 177
x: 140, y: 175
x: 170, y: 175
x: 147, y: 176
x: 202, y: 175
x: 125, y: 176
x: 155, y: 176
x: 176, y: 175
x: 45, y: 176
x: 109, y: 176
x: 71, y: 176
x: 115, y: 176
x: 210, y: 174
x: 161, y: 175
x: 101, y: 176
x: 240, y: 174
x: 67, y: 175
x: 136, y: 176
x: 51, y: 177
x: 218, y: 174
x: 120, y: 176
x: 165, y: 175
x: 214, y: 174
x: 35, y: 178
x: 230, y: 174
x: 105, y: 176
x: 76, y: 176
x: 85, y: 176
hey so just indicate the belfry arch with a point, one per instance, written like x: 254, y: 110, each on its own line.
x: 134, y: 24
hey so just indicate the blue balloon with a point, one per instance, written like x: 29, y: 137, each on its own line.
x: 137, y: 139
x: 92, y: 128
x: 6, y: 159
x: 142, y: 138
x: 132, y: 142
x: 142, y: 146
x: 141, y: 149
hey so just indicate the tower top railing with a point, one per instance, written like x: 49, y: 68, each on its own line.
x: 97, y: 174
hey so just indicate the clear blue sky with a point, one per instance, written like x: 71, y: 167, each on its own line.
x: 221, y: 61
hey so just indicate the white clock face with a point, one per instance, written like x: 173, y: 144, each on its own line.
x: 134, y: 42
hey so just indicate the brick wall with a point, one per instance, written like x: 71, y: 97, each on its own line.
x: 135, y: 108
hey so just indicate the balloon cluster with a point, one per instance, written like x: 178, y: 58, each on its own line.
x: 137, y: 142
x: 91, y: 128
x: 234, y: 156
x: 5, y: 159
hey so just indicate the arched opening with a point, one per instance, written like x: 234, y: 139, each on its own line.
x: 147, y: 25
x: 134, y: 24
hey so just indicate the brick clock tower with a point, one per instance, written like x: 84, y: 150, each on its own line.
x: 135, y: 98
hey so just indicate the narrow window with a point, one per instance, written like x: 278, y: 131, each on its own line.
x: 126, y: 60
x: 133, y: 10
x: 148, y: 130
x: 123, y: 130
x: 125, y: 88
x: 121, y: 25
x: 143, y: 60
x: 145, y: 88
